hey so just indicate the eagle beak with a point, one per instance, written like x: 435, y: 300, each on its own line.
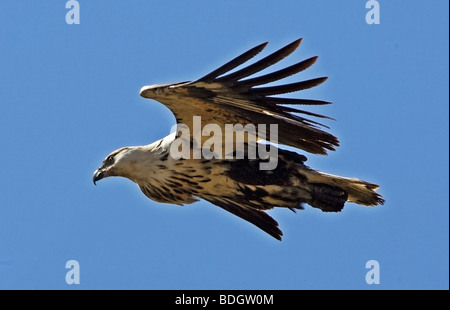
x: 98, y: 175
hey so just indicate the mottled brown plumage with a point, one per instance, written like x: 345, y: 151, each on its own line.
x: 239, y: 185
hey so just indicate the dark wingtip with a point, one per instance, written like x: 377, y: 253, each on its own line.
x: 296, y: 43
x: 233, y: 63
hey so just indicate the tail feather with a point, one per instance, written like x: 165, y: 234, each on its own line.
x: 357, y: 191
x: 327, y: 198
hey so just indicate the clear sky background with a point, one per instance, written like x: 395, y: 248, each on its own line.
x: 69, y: 96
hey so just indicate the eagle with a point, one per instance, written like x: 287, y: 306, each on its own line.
x: 231, y: 94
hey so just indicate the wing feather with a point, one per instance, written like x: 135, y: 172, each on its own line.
x: 234, y: 63
x: 278, y: 75
x: 259, y: 218
x: 262, y: 64
x: 287, y: 88
x: 231, y: 99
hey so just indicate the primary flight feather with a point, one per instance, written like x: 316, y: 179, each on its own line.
x: 236, y: 183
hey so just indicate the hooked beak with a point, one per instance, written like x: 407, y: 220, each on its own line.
x: 98, y: 175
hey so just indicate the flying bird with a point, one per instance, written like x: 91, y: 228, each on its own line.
x: 238, y: 184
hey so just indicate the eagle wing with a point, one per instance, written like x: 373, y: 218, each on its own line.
x: 221, y: 97
x: 257, y: 217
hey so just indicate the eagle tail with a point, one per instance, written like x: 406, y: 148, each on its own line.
x: 330, y: 192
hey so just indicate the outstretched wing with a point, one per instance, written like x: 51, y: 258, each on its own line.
x: 233, y: 98
x: 257, y: 217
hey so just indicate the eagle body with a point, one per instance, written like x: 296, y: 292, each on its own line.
x: 237, y: 184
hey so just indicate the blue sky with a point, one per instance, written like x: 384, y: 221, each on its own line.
x: 69, y: 96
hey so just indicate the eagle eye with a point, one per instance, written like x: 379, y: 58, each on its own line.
x: 110, y: 159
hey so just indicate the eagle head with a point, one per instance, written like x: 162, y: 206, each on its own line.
x: 115, y: 164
